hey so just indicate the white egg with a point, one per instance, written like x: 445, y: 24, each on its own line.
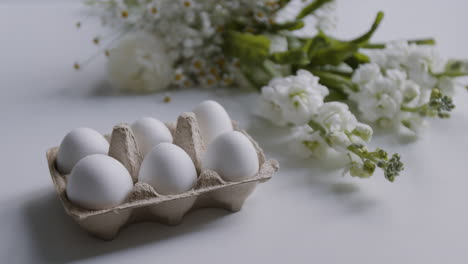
x: 169, y: 169
x: 149, y: 132
x: 77, y: 144
x: 212, y: 119
x: 99, y: 182
x: 232, y: 156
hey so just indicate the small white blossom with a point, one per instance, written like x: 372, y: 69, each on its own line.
x: 335, y: 116
x: 366, y: 73
x: 379, y: 98
x: 361, y: 133
x: 411, y: 93
x: 292, y: 99
x: 339, y: 141
x: 308, y: 143
x: 411, y: 125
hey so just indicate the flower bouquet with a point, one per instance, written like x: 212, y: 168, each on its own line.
x: 330, y: 92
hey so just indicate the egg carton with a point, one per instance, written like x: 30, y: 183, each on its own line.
x: 144, y: 203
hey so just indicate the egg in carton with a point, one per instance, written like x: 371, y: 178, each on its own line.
x: 144, y: 203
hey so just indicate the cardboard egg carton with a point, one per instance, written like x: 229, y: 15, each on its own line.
x: 144, y: 203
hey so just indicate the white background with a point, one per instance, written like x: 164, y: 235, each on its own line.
x: 305, y: 214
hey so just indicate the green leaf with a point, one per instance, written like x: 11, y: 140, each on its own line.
x: 296, y: 56
x: 333, y: 55
x: 290, y: 26
x: 256, y: 74
x: 310, y: 8
x: 366, y: 37
x: 317, y: 43
x: 323, y: 50
x: 247, y: 47
x: 357, y: 59
x: 335, y: 81
x: 335, y: 95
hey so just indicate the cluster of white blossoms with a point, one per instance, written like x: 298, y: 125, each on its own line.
x: 403, y: 84
x: 292, y: 100
x: 318, y: 127
x: 333, y: 128
x: 190, y: 33
x: 322, y: 128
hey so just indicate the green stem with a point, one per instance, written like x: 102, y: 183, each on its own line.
x: 290, y: 26
x: 365, y: 38
x: 363, y: 155
x: 317, y: 127
x: 345, y: 74
x: 309, y: 9
x: 335, y: 95
x: 413, y: 109
x: 335, y: 81
x: 428, y: 41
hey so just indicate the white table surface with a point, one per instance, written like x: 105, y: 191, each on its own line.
x: 305, y: 214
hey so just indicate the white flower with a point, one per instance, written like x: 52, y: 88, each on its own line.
x: 410, y: 125
x: 361, y: 133
x: 292, y: 99
x: 339, y: 141
x: 139, y: 64
x: 269, y: 109
x: 393, y: 56
x: 380, y: 98
x: 307, y: 143
x: 260, y: 16
x: 335, y: 117
x: 397, y: 75
x: 411, y: 93
x: 418, y: 61
x: 340, y: 127
x: 366, y: 73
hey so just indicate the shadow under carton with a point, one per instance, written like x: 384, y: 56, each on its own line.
x: 144, y: 203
